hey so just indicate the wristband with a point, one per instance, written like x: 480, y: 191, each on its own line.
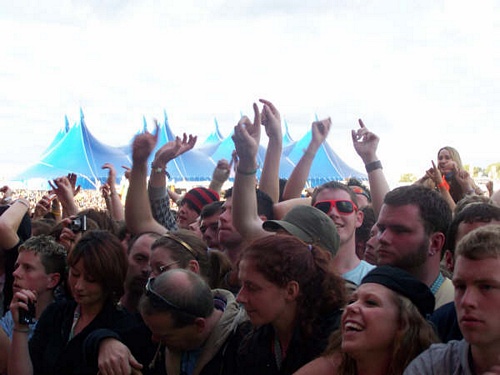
x: 159, y: 170
x: 370, y: 167
x: 245, y: 173
x: 24, y: 202
x: 444, y: 184
x: 22, y: 330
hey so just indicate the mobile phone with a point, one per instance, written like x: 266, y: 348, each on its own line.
x: 27, y: 317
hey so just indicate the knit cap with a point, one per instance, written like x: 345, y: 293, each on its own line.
x: 199, y: 197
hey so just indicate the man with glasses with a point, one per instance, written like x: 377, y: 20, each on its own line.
x: 187, y: 329
x: 340, y: 203
x: 411, y: 231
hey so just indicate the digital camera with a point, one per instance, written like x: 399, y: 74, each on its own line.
x: 78, y: 224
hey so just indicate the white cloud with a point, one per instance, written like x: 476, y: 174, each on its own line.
x: 420, y: 74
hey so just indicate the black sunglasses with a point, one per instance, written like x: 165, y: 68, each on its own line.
x: 156, y: 298
x: 342, y: 206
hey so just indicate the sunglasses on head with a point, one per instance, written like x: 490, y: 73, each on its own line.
x: 359, y: 190
x: 342, y: 206
x: 157, y: 299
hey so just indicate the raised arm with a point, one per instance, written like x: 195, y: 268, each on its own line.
x: 366, y: 143
x: 269, y: 178
x: 64, y: 188
x: 19, y: 361
x: 435, y: 175
x: 246, y: 139
x: 299, y: 175
x: 116, y: 211
x: 138, y: 215
x: 220, y: 175
x: 158, y: 193
x: 10, y: 221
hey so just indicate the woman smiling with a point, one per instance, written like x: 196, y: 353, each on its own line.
x: 383, y: 327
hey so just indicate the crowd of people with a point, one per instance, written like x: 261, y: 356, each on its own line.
x: 349, y: 278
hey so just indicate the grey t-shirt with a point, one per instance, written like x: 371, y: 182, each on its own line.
x: 451, y: 358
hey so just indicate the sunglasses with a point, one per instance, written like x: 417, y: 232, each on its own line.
x: 342, y: 206
x: 359, y: 190
x: 156, y: 299
x: 184, y: 244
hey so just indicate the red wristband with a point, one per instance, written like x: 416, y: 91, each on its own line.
x: 444, y: 184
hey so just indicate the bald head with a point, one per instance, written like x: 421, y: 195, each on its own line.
x: 180, y: 292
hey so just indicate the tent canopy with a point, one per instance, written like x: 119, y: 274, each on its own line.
x: 76, y: 150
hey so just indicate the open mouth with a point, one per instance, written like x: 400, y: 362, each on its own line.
x: 351, y: 326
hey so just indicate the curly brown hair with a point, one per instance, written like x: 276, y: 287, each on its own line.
x: 283, y: 258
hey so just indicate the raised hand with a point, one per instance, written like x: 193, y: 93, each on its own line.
x: 271, y: 119
x: 111, y: 173
x: 7, y: 194
x: 43, y: 206
x: 434, y: 174
x: 246, y: 138
x: 72, y: 180
x: 63, y: 188
x: 173, y: 149
x: 320, y: 130
x: 188, y: 143
x: 105, y: 190
x: 142, y: 146
x: 365, y: 143
x: 464, y: 180
x: 221, y: 171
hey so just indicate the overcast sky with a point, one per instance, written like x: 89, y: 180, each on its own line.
x: 420, y: 74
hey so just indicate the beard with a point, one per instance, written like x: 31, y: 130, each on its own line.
x: 415, y: 259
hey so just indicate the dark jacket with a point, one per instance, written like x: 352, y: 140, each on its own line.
x: 217, y: 357
x: 50, y: 351
x: 256, y: 354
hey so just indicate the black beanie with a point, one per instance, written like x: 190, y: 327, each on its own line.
x: 405, y: 284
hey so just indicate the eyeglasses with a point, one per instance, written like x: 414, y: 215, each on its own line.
x: 157, y: 299
x: 343, y: 206
x: 184, y: 244
x: 166, y: 267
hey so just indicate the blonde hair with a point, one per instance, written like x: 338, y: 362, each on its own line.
x: 481, y: 243
x: 455, y: 156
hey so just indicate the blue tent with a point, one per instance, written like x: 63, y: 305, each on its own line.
x: 288, y: 142
x: 58, y: 137
x: 214, y: 139
x: 78, y: 152
x: 327, y: 165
